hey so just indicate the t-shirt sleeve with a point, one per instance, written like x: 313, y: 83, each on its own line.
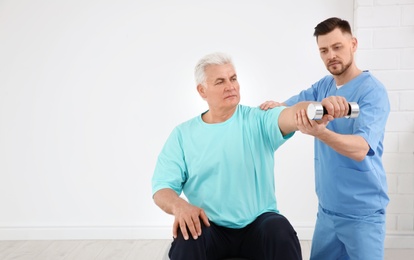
x: 271, y: 123
x: 170, y: 170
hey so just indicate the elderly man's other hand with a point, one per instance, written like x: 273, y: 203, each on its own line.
x: 187, y: 218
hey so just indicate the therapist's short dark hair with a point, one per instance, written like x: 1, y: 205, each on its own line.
x: 331, y: 24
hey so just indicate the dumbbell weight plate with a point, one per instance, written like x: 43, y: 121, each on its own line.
x: 315, y: 111
x: 353, y: 110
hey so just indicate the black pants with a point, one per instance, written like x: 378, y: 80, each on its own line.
x: 269, y: 237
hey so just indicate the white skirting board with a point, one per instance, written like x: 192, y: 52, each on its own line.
x: 392, y: 240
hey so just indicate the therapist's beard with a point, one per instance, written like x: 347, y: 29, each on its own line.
x: 342, y: 70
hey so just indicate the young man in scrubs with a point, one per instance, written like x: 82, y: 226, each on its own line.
x: 350, y: 178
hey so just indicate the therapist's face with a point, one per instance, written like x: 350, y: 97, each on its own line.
x: 337, y: 51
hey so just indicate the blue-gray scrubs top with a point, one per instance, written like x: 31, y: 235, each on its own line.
x: 342, y: 184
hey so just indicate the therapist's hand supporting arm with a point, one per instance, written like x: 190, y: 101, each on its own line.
x: 352, y: 146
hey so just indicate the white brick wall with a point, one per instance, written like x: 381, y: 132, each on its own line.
x: 407, y: 17
x: 385, y: 32
x: 378, y: 16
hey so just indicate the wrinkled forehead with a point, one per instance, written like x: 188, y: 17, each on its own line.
x: 219, y: 71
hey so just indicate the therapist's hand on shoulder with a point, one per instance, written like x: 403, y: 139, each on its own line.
x: 270, y: 104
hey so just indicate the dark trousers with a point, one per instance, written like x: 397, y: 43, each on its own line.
x: 269, y: 237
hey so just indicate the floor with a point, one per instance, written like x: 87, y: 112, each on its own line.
x: 118, y: 250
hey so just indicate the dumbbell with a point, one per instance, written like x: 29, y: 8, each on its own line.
x: 316, y: 111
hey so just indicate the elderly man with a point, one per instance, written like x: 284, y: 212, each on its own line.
x: 223, y: 161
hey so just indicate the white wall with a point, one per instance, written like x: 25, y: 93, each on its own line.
x: 90, y: 90
x: 385, y: 29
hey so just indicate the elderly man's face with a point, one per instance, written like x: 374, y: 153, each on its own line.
x: 222, y: 90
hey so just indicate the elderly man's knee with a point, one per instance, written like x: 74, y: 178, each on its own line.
x: 279, y: 228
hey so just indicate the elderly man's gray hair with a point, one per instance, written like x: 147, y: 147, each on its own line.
x: 216, y: 58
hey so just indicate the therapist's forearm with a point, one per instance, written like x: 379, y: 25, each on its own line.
x: 352, y: 146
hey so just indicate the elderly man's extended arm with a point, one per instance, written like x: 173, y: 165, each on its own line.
x: 336, y: 107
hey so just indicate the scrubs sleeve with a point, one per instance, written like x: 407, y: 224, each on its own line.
x: 370, y: 124
x: 305, y: 95
x: 315, y: 93
x: 170, y: 170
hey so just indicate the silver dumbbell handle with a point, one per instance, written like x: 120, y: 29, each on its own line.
x: 316, y: 111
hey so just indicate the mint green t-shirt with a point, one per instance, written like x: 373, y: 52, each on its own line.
x: 227, y: 168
